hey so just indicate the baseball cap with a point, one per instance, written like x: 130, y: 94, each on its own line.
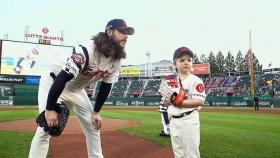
x: 182, y: 50
x: 120, y: 24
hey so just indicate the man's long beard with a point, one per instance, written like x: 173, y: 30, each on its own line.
x: 108, y: 47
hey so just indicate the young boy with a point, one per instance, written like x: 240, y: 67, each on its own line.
x: 183, y: 110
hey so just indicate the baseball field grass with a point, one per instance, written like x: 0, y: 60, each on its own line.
x: 223, y: 135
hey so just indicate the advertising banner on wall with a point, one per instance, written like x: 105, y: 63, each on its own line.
x: 125, y: 71
x: 12, y: 79
x: 20, y: 79
x: 22, y: 58
x: 164, y: 70
x: 169, y: 70
x: 6, y: 102
x: 201, y: 68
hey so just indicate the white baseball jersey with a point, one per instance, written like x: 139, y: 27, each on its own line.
x: 87, y: 68
x: 194, y: 88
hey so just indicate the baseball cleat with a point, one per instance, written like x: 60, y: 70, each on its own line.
x: 162, y: 133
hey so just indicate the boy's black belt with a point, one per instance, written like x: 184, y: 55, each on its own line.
x: 182, y: 115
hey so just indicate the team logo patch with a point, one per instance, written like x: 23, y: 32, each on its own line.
x: 200, y: 88
x: 78, y: 58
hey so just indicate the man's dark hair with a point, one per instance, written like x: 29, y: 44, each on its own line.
x: 106, y: 46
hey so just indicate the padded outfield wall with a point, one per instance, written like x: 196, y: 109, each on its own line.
x: 265, y: 101
x: 246, y: 101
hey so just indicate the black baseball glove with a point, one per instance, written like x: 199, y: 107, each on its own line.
x: 63, y: 114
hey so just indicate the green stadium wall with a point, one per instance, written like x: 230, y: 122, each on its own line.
x: 28, y: 94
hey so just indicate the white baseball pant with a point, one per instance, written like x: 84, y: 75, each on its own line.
x: 185, y: 135
x: 77, y: 101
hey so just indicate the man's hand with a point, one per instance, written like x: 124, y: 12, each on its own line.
x: 51, y: 118
x: 54, y: 122
x: 96, y: 120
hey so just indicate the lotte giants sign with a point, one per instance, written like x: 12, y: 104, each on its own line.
x: 43, y: 36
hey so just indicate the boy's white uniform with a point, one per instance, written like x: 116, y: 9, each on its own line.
x: 185, y: 131
x: 92, y: 67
